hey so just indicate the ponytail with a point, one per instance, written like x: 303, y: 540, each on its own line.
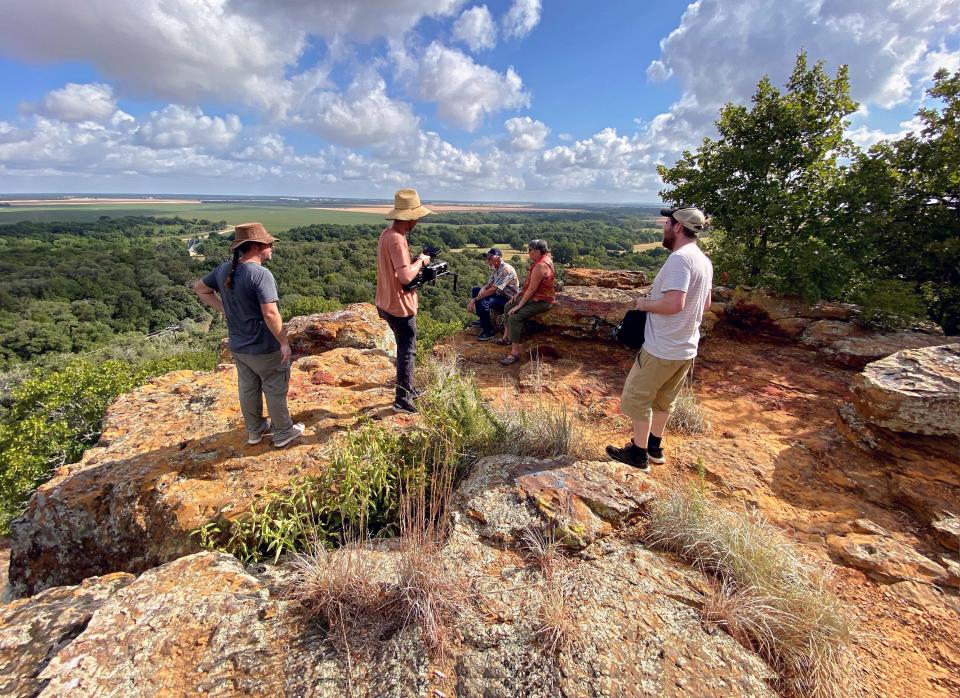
x: 233, y: 266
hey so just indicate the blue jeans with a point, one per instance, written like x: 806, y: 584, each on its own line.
x: 485, y: 306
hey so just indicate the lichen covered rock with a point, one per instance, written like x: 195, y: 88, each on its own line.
x: 914, y: 391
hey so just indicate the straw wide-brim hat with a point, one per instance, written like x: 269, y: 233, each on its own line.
x: 407, y: 206
x: 250, y: 232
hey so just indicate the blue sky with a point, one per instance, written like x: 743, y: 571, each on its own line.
x: 508, y: 100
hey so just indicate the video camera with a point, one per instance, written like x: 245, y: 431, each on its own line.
x: 429, y: 273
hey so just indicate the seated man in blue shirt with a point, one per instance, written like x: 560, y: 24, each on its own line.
x: 500, y: 288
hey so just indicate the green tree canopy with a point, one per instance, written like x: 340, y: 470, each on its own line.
x: 768, y: 182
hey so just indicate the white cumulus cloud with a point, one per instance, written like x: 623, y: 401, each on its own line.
x: 177, y: 126
x: 464, y: 90
x: 363, y: 115
x: 521, y: 18
x: 476, y: 28
x: 87, y: 102
x: 526, y: 133
x: 722, y: 48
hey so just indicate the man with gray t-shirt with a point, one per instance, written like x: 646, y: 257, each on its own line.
x: 246, y: 293
x: 675, y: 308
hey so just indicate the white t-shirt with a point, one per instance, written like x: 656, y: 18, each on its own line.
x: 677, y: 336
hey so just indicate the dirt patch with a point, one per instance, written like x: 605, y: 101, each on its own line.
x: 775, y: 447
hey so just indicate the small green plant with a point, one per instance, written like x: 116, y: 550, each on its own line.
x: 770, y: 595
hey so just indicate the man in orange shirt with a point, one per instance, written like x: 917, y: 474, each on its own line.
x: 395, y: 304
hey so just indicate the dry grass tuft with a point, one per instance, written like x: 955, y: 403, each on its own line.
x: 557, y: 625
x: 540, y: 430
x: 770, y: 595
x: 688, y: 417
x: 540, y: 546
x: 340, y: 588
x: 428, y: 594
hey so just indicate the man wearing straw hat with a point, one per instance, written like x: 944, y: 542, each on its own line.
x: 246, y: 293
x: 680, y: 296
x: 395, y: 304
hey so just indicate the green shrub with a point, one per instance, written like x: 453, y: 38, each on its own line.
x: 54, y: 415
x: 891, y: 305
x: 308, y: 305
x: 359, y: 493
x: 430, y: 332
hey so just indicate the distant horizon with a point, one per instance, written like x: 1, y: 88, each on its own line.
x: 187, y: 197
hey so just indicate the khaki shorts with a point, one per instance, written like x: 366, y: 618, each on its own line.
x: 652, y: 384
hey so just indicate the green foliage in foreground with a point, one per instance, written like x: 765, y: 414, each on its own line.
x: 360, y: 489
x: 53, y: 416
x: 359, y: 493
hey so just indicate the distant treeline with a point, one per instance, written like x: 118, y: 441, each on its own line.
x: 68, y: 287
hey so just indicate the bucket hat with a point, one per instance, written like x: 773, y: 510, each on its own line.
x: 407, y: 206
x: 250, y: 232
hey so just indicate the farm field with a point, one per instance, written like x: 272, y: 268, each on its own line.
x: 275, y: 218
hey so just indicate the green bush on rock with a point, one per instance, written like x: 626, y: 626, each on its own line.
x: 53, y: 416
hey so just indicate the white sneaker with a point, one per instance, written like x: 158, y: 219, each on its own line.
x: 254, y: 439
x: 298, y: 430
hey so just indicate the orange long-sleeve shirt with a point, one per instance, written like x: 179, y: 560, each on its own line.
x: 394, y: 269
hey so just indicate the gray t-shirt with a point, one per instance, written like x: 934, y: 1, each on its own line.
x: 677, y: 336
x: 253, y: 285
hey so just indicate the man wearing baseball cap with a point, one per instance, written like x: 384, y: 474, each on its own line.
x: 246, y: 293
x: 499, y: 289
x: 675, y: 306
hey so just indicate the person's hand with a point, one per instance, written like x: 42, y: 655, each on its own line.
x: 471, y: 305
x: 513, y: 310
x: 641, y: 302
x: 284, y: 354
x: 425, y: 258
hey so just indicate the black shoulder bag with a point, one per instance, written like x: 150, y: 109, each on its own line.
x: 630, y: 330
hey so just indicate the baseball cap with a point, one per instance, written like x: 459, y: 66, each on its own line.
x: 493, y: 252
x: 689, y: 217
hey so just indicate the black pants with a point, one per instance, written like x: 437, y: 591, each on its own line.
x: 405, y: 331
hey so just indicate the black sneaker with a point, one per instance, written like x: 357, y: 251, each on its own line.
x: 485, y: 336
x: 655, y: 454
x: 404, y: 407
x: 631, y: 455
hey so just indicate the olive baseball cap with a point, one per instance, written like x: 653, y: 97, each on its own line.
x: 689, y: 217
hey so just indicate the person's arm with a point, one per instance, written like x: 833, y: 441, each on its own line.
x: 536, y: 276
x: 405, y: 269
x: 271, y: 316
x: 670, y: 303
x: 208, y: 296
x: 709, y: 301
x: 487, y: 290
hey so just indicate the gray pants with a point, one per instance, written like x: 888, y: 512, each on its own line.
x: 260, y: 375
